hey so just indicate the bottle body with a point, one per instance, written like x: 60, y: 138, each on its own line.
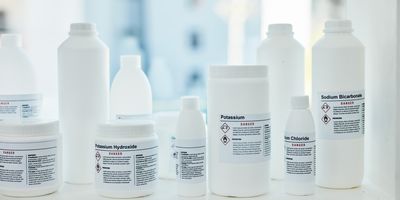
x: 300, y: 152
x: 285, y: 58
x: 83, y: 73
x: 237, y: 100
x: 130, y: 93
x: 19, y: 97
x: 190, y: 145
x: 338, y: 106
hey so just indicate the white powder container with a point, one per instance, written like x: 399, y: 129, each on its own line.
x: 238, y: 130
x: 30, y: 158
x: 126, y: 157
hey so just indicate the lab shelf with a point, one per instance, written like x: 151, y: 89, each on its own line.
x: 165, y: 191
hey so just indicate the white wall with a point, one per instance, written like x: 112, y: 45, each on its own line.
x: 375, y: 24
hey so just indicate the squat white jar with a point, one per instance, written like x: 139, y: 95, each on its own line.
x: 30, y: 158
x: 126, y: 157
x: 238, y: 130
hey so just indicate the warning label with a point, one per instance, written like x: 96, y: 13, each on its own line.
x: 19, y: 106
x: 125, y: 166
x: 29, y: 164
x: 191, y: 162
x: 245, y: 138
x: 341, y: 115
x: 299, y: 156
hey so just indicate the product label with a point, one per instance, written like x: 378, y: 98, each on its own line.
x: 341, y: 115
x: 28, y: 164
x: 299, y: 157
x: 126, y: 166
x: 19, y: 106
x: 244, y: 138
x: 191, y: 160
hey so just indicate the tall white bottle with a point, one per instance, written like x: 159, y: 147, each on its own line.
x: 285, y: 58
x: 83, y: 75
x: 338, y: 106
x: 130, y: 91
x: 191, y: 149
x: 300, y: 149
x: 19, y: 98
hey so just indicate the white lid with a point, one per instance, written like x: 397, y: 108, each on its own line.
x: 11, y: 40
x: 125, y: 128
x: 280, y: 29
x: 190, y: 103
x: 82, y: 28
x: 338, y: 26
x: 130, y: 60
x: 300, y: 102
x: 238, y: 71
x: 28, y: 128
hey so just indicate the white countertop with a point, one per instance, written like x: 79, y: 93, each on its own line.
x: 166, y: 191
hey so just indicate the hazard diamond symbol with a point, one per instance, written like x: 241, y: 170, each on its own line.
x: 225, y: 128
x: 325, y: 107
x: 326, y: 119
x: 98, y: 167
x: 225, y: 140
x: 98, y: 156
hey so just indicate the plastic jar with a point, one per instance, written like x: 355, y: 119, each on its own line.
x: 239, y: 130
x: 30, y: 158
x: 126, y: 156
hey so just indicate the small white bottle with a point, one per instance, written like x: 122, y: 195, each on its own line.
x: 191, y: 149
x: 83, y: 82
x: 300, y: 149
x: 338, y: 106
x: 284, y: 56
x: 130, y: 91
x: 19, y: 98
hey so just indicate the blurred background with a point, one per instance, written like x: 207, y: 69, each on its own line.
x: 178, y: 39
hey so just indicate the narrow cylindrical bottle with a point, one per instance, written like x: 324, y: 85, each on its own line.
x: 300, y: 149
x: 191, y: 149
x: 83, y: 75
x: 130, y: 91
x: 338, y: 106
x: 284, y: 56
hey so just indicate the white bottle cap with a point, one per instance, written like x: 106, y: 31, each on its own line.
x: 11, y: 40
x: 126, y: 128
x: 29, y: 128
x: 190, y: 102
x: 300, y: 102
x: 130, y: 60
x: 280, y: 29
x: 338, y: 26
x: 82, y: 28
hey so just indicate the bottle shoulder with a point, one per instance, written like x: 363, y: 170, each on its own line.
x: 300, y: 121
x: 280, y: 43
x: 338, y: 41
x: 83, y: 42
x: 190, y: 125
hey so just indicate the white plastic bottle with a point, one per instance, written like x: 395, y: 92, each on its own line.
x: 338, y: 106
x: 285, y: 58
x: 239, y: 130
x: 130, y: 91
x: 19, y: 97
x: 83, y: 75
x: 191, y: 149
x: 300, y: 149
